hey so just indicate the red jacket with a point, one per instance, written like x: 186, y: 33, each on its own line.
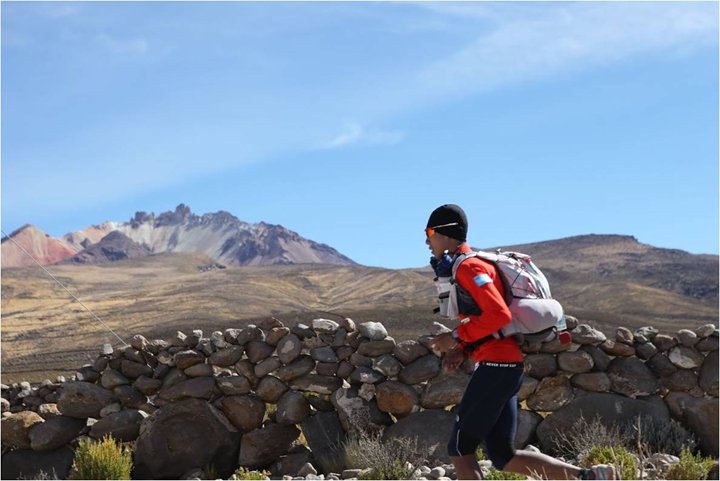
x: 481, y: 279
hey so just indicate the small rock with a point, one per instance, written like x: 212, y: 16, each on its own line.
x: 374, y: 331
x: 705, y: 331
x: 436, y: 472
x: 645, y: 334
x: 307, y: 469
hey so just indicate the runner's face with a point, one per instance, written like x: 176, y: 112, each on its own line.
x: 438, y: 244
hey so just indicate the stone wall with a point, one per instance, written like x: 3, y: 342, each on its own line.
x: 189, y: 400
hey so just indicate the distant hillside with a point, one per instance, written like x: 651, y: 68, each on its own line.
x: 603, y: 280
x: 43, y: 248
x: 113, y: 247
x: 221, y: 236
x: 616, y: 279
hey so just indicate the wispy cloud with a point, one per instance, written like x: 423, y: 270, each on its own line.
x: 354, y: 133
x: 122, y: 46
x: 562, y: 39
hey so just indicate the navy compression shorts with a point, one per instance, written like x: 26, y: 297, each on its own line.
x: 488, y: 412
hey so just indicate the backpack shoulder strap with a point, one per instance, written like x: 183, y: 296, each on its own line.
x: 459, y: 260
x: 493, y: 259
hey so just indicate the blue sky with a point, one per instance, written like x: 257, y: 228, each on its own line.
x: 350, y: 122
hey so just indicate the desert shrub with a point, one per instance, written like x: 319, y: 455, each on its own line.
x: 244, y: 473
x: 659, y: 437
x: 624, y: 462
x: 690, y: 467
x: 583, y: 437
x: 42, y: 475
x: 209, y: 472
x: 393, y: 459
x: 396, y: 470
x: 495, y: 474
x: 102, y: 460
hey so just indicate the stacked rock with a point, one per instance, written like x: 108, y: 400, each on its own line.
x: 201, y: 395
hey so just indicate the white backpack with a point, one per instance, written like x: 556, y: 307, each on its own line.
x: 535, y: 314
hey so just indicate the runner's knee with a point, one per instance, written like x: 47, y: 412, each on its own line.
x: 462, y: 444
x: 500, y: 451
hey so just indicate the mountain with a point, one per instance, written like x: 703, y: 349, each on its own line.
x: 221, y: 236
x: 113, y: 247
x: 42, y: 247
x: 600, y: 259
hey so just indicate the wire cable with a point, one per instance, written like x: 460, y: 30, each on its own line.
x: 61, y: 285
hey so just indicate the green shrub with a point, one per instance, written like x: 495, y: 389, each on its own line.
x: 690, y: 467
x: 495, y: 474
x: 244, y: 473
x: 102, y: 460
x: 624, y: 462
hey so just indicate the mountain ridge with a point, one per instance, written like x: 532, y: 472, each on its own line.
x: 221, y: 236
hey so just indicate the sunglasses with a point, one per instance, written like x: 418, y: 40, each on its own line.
x: 430, y: 231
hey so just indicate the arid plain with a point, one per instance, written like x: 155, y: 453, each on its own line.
x: 605, y: 281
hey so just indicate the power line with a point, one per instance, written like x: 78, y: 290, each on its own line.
x: 61, y: 285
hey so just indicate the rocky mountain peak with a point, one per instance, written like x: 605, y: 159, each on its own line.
x: 113, y: 247
x: 182, y: 214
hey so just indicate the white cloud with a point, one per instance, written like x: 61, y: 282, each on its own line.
x: 131, y: 46
x: 563, y: 38
x: 354, y: 133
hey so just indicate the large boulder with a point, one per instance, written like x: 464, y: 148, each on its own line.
x: 376, y: 348
x: 431, y: 428
x: 422, y: 369
x: 261, y: 447
x: 591, y: 381
x: 551, y: 394
x: 396, y: 397
x: 709, y: 376
x: 289, y: 348
x: 233, y: 385
x: 408, y: 351
x: 270, y: 389
x: 686, y: 357
x: 540, y: 366
x: 702, y: 419
x: 55, y: 432
x: 575, y: 362
x: 123, y: 426
x: 298, y: 367
x: 444, y: 390
x: 29, y: 464
x: 15, y: 430
x: 610, y: 408
x: 325, y: 437
x: 184, y: 435
x: 631, y: 377
x: 293, y: 408
x: 246, y: 413
x: 199, y: 387
x: 357, y: 414
x: 84, y: 400
x: 527, y: 424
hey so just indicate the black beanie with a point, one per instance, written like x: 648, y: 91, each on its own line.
x: 448, y: 214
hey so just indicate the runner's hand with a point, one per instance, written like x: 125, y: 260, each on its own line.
x: 442, y: 342
x: 453, y: 360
